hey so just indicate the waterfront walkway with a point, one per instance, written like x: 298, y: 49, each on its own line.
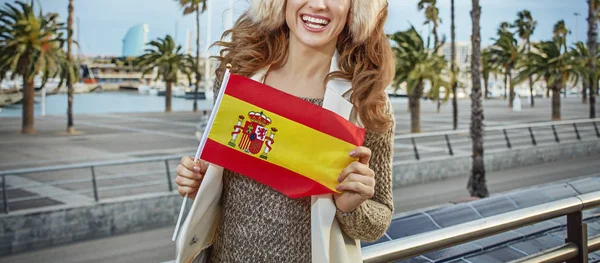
x: 105, y: 137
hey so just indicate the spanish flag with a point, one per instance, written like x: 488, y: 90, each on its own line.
x: 289, y: 144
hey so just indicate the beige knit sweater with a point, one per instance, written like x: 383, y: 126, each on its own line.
x: 260, y: 224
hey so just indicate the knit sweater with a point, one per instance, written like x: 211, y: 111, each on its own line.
x: 259, y: 224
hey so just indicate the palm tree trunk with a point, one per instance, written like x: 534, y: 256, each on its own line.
x: 511, y: 92
x: 197, y: 67
x: 28, y: 95
x: 168, y: 94
x: 556, y: 102
x: 453, y: 68
x: 505, y: 83
x: 592, y: 35
x: 530, y: 78
x: 437, y: 40
x: 584, y: 90
x: 70, y: 128
x: 593, y: 95
x: 477, y: 183
x: 485, y: 83
x: 414, y: 103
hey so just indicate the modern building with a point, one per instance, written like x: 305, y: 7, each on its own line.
x: 135, y: 40
x: 463, y: 53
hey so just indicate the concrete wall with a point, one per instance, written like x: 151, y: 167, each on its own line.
x: 33, y: 229
x: 415, y: 172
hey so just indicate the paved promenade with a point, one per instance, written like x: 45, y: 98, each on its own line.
x: 118, y: 136
x: 130, y: 136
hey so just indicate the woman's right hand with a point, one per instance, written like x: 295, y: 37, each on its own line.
x: 189, y: 176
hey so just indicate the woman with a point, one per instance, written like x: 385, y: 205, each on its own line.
x: 292, y: 45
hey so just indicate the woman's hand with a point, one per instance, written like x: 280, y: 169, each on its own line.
x: 189, y: 176
x: 357, y: 181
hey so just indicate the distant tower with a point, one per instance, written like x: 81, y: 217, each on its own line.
x: 188, y: 43
x: 135, y: 40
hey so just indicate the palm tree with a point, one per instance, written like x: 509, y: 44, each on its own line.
x: 70, y: 73
x: 453, y: 68
x: 168, y: 58
x: 555, y: 66
x: 416, y: 63
x: 197, y: 6
x: 525, y: 27
x: 582, y: 54
x: 487, y: 68
x: 592, y: 35
x: 560, y: 31
x: 476, y: 185
x: 505, y: 53
x: 30, y: 45
x: 432, y: 18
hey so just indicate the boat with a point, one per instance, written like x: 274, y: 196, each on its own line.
x: 10, y: 97
x: 144, y: 89
x: 201, y: 95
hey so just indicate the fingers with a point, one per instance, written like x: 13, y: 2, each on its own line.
x: 187, y: 173
x: 183, y: 190
x: 363, y: 185
x: 189, y: 164
x: 362, y: 153
x: 191, y: 183
x: 203, y: 165
x: 358, y: 168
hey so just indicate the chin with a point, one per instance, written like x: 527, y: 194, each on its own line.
x: 313, y: 42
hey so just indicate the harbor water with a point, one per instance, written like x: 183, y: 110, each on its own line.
x: 105, y: 102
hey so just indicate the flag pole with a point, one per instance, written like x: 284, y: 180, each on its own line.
x: 213, y: 115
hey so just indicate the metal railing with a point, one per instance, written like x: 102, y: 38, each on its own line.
x: 93, y: 178
x: 574, y: 127
x: 575, y: 249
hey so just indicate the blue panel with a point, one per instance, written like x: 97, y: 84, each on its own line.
x: 593, y: 227
x: 453, y: 252
x: 453, y: 215
x: 494, y: 206
x: 538, y: 244
x: 594, y: 257
x: 587, y: 215
x: 560, y: 234
x: 459, y: 261
x: 381, y: 240
x: 537, y: 228
x: 418, y: 259
x: 501, y: 255
x: 529, y: 198
x: 586, y: 185
x: 558, y: 192
x: 560, y: 220
x: 498, y: 239
x: 410, y: 225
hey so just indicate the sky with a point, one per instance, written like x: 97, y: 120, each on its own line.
x: 104, y: 23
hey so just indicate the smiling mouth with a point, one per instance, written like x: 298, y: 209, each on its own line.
x: 314, y: 22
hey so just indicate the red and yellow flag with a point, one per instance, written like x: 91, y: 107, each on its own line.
x: 289, y: 144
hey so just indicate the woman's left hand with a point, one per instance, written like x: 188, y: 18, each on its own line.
x: 357, y: 181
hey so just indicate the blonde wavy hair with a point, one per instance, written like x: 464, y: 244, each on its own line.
x: 260, y: 37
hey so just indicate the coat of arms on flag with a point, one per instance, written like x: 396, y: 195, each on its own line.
x: 253, y: 134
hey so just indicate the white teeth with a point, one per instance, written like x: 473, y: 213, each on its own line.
x: 315, y: 20
x: 315, y: 26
